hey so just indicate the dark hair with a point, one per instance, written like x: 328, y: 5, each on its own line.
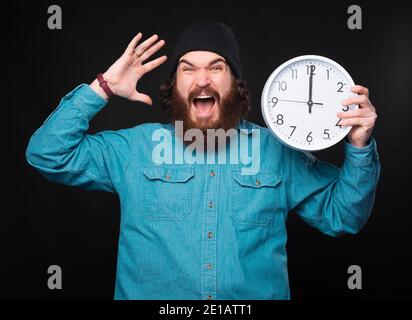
x: 243, y: 95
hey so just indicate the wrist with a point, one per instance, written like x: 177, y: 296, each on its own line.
x: 104, y: 84
x: 99, y: 90
x: 360, y: 143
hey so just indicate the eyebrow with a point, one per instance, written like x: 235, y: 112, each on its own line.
x: 210, y: 64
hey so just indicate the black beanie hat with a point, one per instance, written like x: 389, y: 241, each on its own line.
x: 205, y: 35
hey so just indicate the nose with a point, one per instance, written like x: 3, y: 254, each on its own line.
x: 202, y: 79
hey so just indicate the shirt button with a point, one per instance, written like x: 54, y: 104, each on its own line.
x: 258, y: 182
x: 209, y: 235
x: 167, y: 177
x: 209, y: 266
x: 209, y: 297
x: 212, y: 173
x: 210, y: 204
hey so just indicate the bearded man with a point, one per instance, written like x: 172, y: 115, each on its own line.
x: 203, y: 230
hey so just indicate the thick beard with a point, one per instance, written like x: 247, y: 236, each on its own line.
x: 229, y: 113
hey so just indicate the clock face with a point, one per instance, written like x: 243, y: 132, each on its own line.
x: 300, y: 101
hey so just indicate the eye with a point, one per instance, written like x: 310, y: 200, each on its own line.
x: 217, y: 68
x: 187, y: 68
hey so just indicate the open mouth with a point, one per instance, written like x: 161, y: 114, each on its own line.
x: 204, y: 105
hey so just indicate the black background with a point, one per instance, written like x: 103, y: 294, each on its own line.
x: 44, y: 223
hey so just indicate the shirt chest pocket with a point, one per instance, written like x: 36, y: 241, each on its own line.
x: 256, y: 198
x: 167, y: 192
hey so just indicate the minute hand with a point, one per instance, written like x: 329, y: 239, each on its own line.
x: 310, y: 102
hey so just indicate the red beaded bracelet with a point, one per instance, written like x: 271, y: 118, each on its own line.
x: 103, y: 84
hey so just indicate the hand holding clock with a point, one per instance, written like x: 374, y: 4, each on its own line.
x: 362, y: 119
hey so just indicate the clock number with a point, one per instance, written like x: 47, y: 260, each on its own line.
x: 309, y: 138
x: 279, y: 119
x: 345, y: 108
x: 341, y: 86
x: 282, y: 85
x: 338, y: 125
x: 326, y: 133
x: 294, y: 128
x: 327, y: 73
x: 294, y: 73
x: 310, y: 69
x: 274, y: 101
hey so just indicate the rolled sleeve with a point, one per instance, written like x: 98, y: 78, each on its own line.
x: 361, y: 157
x: 87, y: 100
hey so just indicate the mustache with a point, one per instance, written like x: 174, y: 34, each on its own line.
x: 206, y: 91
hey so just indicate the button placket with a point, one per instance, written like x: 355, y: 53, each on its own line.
x: 209, y: 285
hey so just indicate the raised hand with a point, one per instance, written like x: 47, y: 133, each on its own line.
x: 123, y: 75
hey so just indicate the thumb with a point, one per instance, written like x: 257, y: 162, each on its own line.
x: 141, y: 97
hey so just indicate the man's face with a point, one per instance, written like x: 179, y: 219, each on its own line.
x: 203, y: 80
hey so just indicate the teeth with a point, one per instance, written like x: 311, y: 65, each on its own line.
x: 204, y: 97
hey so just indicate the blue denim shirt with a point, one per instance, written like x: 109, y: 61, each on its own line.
x: 202, y: 231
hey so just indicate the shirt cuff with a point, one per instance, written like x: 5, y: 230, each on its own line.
x: 87, y: 100
x: 361, y: 157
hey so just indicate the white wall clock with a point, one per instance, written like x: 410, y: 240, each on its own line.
x: 300, y: 101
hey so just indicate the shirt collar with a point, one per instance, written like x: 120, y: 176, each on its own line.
x: 246, y: 127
